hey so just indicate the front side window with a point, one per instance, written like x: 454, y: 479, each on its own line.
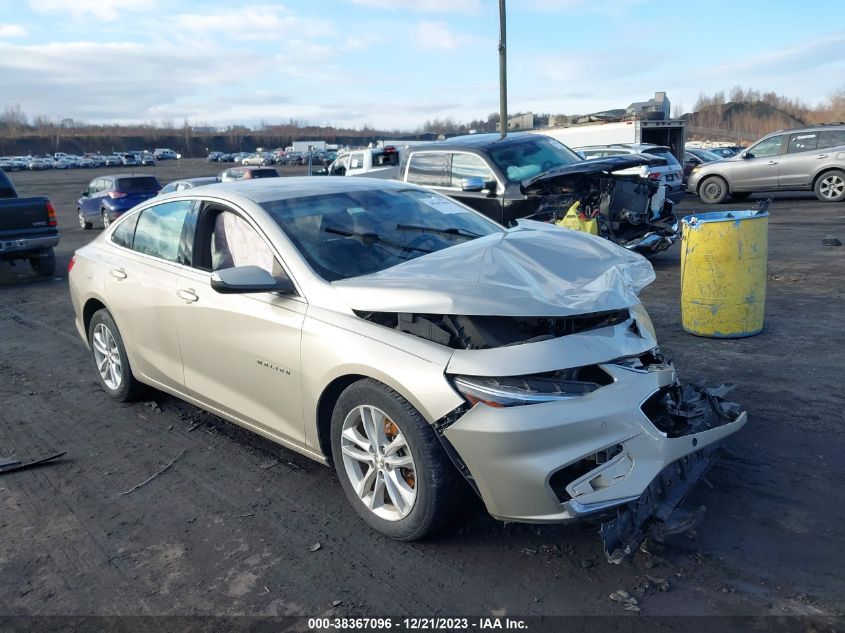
x: 767, y: 147
x: 361, y: 232
x: 803, y: 142
x: 470, y: 166
x: 430, y: 169
x: 235, y: 243
x: 159, y: 229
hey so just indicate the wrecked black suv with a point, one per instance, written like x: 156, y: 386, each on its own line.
x: 536, y: 177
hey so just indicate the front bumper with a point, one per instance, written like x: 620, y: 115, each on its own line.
x: 565, y: 460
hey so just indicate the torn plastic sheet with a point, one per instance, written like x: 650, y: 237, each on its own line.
x: 656, y: 513
x: 532, y: 269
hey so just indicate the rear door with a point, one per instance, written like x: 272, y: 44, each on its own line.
x: 797, y: 164
x: 241, y: 352
x: 759, y: 171
x: 143, y: 268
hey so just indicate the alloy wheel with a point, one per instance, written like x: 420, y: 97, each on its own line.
x: 106, y: 220
x: 832, y: 186
x: 107, y: 357
x: 712, y: 190
x: 378, y: 462
x: 81, y: 219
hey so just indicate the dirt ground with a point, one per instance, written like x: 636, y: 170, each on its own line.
x: 231, y: 528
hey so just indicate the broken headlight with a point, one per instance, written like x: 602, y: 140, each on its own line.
x: 513, y: 391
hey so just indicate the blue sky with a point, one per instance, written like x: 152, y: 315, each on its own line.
x: 394, y: 64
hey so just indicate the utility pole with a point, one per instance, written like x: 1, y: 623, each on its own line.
x: 503, y: 74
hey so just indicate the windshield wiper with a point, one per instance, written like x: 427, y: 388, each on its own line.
x: 372, y: 238
x: 452, y: 230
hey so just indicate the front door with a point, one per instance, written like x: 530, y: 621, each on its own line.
x: 240, y: 352
x: 759, y: 170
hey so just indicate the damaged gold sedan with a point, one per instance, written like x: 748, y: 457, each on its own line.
x: 410, y: 342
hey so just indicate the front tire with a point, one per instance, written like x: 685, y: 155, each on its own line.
x: 830, y: 187
x: 110, y: 358
x: 713, y: 190
x: 391, y: 466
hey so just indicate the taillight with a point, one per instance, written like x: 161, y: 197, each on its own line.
x: 654, y: 175
x: 71, y: 263
x: 116, y: 194
x: 51, y: 214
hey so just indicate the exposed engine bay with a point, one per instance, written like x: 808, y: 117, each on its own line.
x: 629, y: 208
x: 485, y: 332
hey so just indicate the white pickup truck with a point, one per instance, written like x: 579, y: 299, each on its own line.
x: 373, y: 163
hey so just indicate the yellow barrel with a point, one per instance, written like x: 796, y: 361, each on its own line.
x: 723, y: 273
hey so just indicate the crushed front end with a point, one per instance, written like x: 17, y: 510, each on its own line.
x: 627, y: 448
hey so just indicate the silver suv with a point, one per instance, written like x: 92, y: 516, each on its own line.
x: 671, y: 175
x: 803, y: 159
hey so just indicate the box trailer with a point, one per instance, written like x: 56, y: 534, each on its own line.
x: 669, y: 133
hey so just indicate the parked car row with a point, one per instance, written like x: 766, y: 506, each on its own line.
x: 276, y: 157
x: 71, y: 161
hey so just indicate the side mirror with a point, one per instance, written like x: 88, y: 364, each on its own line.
x: 746, y: 154
x: 247, y: 279
x: 85, y: 192
x: 473, y: 183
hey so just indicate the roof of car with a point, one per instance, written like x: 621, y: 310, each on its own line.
x: 475, y: 140
x: 287, y: 188
x: 637, y: 147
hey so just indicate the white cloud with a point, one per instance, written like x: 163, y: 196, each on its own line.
x: 257, y: 22
x: 424, y: 6
x: 610, y: 8
x: 437, y: 36
x: 12, y: 30
x: 103, y: 10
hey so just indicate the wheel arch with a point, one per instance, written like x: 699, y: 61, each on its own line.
x: 823, y: 172
x: 90, y: 308
x: 703, y: 178
x: 325, y: 408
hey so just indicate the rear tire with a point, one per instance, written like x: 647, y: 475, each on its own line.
x: 830, y: 186
x: 110, y: 359
x: 106, y: 219
x: 713, y: 190
x: 739, y: 196
x: 427, y: 484
x: 45, y: 264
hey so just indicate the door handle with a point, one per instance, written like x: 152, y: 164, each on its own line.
x: 822, y: 156
x: 188, y: 295
x: 772, y: 162
x: 118, y: 273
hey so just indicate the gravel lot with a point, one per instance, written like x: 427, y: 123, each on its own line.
x: 230, y: 527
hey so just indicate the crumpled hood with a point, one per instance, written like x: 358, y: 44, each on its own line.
x: 534, y: 269
x: 592, y: 167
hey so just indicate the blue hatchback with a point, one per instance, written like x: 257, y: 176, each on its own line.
x: 107, y: 197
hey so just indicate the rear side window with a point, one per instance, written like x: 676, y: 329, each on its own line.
x: 137, y: 183
x: 356, y: 161
x: 6, y: 189
x: 264, y: 173
x: 430, y: 169
x: 664, y: 153
x: 124, y: 232
x: 159, y: 229
x: 831, y: 138
x: 802, y: 142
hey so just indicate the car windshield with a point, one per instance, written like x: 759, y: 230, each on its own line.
x: 662, y: 152
x: 361, y: 232
x: 528, y: 156
x: 137, y: 183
